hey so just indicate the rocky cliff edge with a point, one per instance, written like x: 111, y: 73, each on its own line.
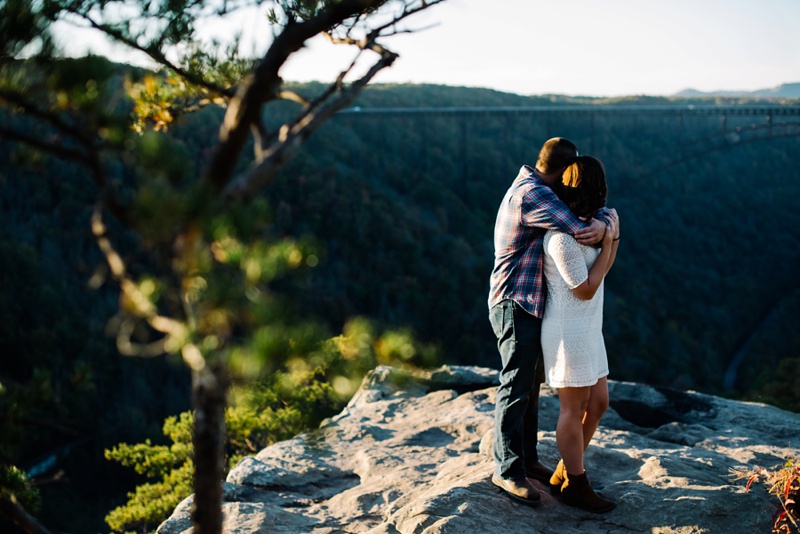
x: 411, y: 453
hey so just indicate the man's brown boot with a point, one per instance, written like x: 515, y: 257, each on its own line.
x: 576, y: 491
x: 558, y: 478
x: 521, y: 490
x: 539, y: 471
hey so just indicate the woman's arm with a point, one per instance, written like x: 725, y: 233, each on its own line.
x: 601, y: 266
x: 613, y: 256
x: 612, y: 213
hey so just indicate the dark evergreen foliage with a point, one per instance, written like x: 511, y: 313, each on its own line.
x: 401, y: 210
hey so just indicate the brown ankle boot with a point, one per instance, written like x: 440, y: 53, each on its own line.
x: 558, y: 478
x: 520, y: 490
x: 576, y: 491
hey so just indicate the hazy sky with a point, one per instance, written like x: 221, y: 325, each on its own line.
x: 582, y: 47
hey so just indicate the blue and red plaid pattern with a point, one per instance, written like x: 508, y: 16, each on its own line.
x: 529, y: 209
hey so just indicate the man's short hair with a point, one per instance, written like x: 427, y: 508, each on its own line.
x: 556, y: 154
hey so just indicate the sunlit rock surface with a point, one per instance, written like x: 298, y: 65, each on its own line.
x: 413, y: 454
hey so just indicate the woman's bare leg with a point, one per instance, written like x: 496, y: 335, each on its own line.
x: 573, y: 403
x: 596, y: 407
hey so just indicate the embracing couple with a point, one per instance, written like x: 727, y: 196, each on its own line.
x: 554, y: 242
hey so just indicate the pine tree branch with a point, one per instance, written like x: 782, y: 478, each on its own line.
x: 292, y: 97
x: 157, y: 55
x: 291, y: 138
x: 10, y: 508
x: 89, y: 156
x: 107, y: 193
x: 12, y: 98
x: 38, y: 143
x: 245, y: 108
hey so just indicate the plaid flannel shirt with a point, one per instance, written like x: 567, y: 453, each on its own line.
x: 529, y: 209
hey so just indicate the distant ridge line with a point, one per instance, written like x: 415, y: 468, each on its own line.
x: 786, y: 90
x: 579, y: 109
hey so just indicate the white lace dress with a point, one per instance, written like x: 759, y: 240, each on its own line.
x: 572, y: 329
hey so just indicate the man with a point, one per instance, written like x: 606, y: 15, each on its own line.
x: 516, y: 306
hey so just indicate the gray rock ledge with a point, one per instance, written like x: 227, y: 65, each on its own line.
x: 411, y: 453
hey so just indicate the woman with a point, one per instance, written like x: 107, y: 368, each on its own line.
x: 572, y: 338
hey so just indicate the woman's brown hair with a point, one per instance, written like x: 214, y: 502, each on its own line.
x: 583, y: 186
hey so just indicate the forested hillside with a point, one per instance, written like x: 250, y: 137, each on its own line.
x: 710, y: 243
x: 401, y: 209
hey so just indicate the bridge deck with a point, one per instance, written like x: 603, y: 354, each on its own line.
x: 765, y: 110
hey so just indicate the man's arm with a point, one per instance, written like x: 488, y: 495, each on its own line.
x: 592, y: 234
x: 542, y: 208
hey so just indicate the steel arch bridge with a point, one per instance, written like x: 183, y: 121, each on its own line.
x: 737, y: 123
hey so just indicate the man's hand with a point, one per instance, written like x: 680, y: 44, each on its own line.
x: 592, y: 234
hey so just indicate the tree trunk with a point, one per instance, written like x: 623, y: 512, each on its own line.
x: 209, y: 391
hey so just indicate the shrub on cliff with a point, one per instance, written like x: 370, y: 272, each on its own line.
x: 784, y: 483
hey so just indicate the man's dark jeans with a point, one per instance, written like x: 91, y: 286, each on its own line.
x: 516, y: 416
